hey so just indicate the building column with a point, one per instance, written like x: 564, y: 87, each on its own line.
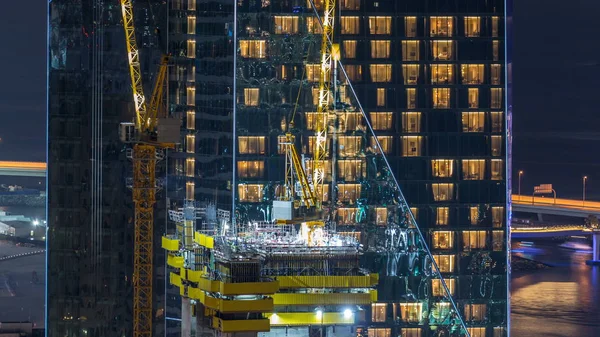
x: 186, y: 316
x: 595, y: 261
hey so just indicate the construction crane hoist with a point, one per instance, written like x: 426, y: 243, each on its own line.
x: 149, y: 135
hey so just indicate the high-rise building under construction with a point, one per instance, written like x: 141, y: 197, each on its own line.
x: 343, y: 168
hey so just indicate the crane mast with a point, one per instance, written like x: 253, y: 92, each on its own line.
x: 324, y: 114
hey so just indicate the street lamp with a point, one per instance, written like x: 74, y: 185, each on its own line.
x: 583, y: 199
x: 520, y: 175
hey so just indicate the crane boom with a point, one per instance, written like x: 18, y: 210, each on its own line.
x: 323, y: 109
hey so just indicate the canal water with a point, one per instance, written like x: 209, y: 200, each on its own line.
x: 560, y: 301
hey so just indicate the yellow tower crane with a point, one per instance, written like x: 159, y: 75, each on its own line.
x: 329, y: 52
x: 145, y: 153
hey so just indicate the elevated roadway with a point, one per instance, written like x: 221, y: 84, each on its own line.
x: 22, y: 169
x: 555, y: 206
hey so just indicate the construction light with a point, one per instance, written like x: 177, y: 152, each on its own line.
x: 348, y: 313
x: 319, y: 314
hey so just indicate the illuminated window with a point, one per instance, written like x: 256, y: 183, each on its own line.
x: 250, y: 192
x: 281, y: 140
x: 415, y: 212
x: 443, y: 240
x: 445, y: 263
x: 442, y: 313
x: 497, y: 121
x: 282, y: 72
x: 442, y: 50
x: 315, y: 96
x: 190, y: 165
x: 381, y: 216
x: 312, y: 142
x: 347, y: 216
x: 442, y: 74
x: 251, y: 96
x: 410, y: 312
x: 474, y: 240
x: 496, y: 74
x: 441, y: 26
x: 499, y: 331
x: 348, y: 192
x: 313, y: 25
x: 190, y: 143
x: 190, y: 95
x: 410, y: 332
x: 473, y: 98
x: 475, y: 313
x: 191, y: 5
x: 349, y: 146
x: 351, y: 5
x: 286, y: 24
x: 475, y: 215
x: 250, y: 169
x: 313, y: 72
x: 380, y: 96
x: 381, y: 72
x: 191, y: 48
x: 496, y: 146
x: 495, y: 50
x: 437, y: 288
x: 190, y: 120
x: 253, y: 49
x: 442, y: 168
x: 411, y: 98
x: 496, y: 98
x: 350, y: 25
x: 386, y: 142
x: 326, y: 167
x: 473, y: 169
x: 441, y: 98
x: 351, y: 170
x: 472, y: 26
x: 497, y: 169
x: 497, y: 216
x: 381, y: 120
x: 494, y: 26
x: 251, y: 145
x: 410, y: 50
x: 476, y: 332
x: 380, y: 332
x: 411, y: 122
x: 380, y: 49
x: 351, y: 121
x: 380, y: 25
x: 410, y: 26
x: 378, y: 312
x: 442, y: 192
x: 473, y: 121
x: 410, y: 73
x: 411, y: 146
x: 191, y: 25
x: 497, y: 241
x: 441, y: 216
x: 472, y: 73
x: 349, y: 49
x: 189, y: 190
x: 354, y: 72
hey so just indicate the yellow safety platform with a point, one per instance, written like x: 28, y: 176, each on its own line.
x: 258, y: 325
x: 294, y: 282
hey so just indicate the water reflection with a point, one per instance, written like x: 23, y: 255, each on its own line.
x: 563, y: 300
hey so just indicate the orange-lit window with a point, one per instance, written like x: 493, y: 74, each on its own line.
x: 497, y: 241
x: 281, y: 147
x: 437, y: 288
x: 497, y: 216
x: 473, y: 121
x: 347, y: 216
x: 190, y: 120
x: 348, y: 192
x: 251, y: 169
x: 410, y: 73
x: 441, y: 98
x: 190, y: 143
x: 378, y: 312
x: 497, y: 169
x: 475, y: 215
x: 472, y: 26
x: 250, y: 192
x: 191, y: 24
x: 445, y: 263
x: 496, y: 98
x: 442, y: 168
x: 442, y: 192
x: 442, y: 50
x: 312, y: 143
x: 473, y: 98
x: 442, y: 214
x: 349, y: 146
x: 380, y: 49
x: 251, y: 144
x: 442, y: 74
x: 313, y: 25
x: 354, y: 72
x: 189, y: 190
x: 411, y: 146
x: 380, y: 25
x: 386, y: 142
x: 190, y: 95
x: 475, y: 312
x: 381, y: 72
x: 495, y: 50
x: 251, y: 96
x: 351, y: 121
x: 326, y: 168
x: 496, y: 74
x: 411, y: 98
x: 350, y: 25
x: 474, y: 240
x: 350, y: 49
x: 253, y: 49
x: 410, y: 312
x: 351, y: 169
x: 351, y: 5
x: 190, y: 165
x: 191, y: 5
x: 410, y: 50
x: 313, y: 72
x: 495, y: 30
x: 381, y: 120
x: 380, y: 332
x: 473, y: 169
x: 411, y: 122
x: 191, y: 48
x: 496, y: 146
x: 410, y: 26
x: 381, y: 216
x: 380, y: 96
x: 472, y: 73
x: 441, y: 26
x: 443, y: 239
x: 476, y: 332
x: 286, y: 24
